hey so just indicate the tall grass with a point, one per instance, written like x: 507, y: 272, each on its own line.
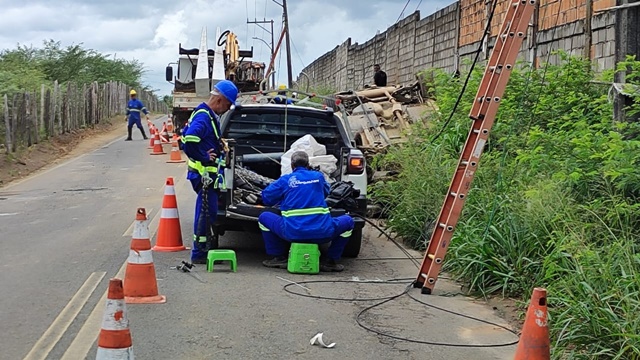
x: 554, y: 203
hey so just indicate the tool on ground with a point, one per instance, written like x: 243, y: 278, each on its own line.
x: 140, y: 283
x: 169, y: 238
x: 114, y: 341
x: 534, y: 340
x: 483, y: 115
x: 187, y: 268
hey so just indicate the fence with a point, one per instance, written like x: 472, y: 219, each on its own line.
x: 33, y: 116
x: 595, y: 29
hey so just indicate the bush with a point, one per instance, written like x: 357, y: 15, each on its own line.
x: 554, y: 202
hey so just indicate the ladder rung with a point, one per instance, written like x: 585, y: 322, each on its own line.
x: 454, y: 194
x: 424, y: 275
x: 464, y: 162
x: 431, y: 256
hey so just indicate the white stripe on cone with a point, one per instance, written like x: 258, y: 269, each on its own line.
x: 141, y: 229
x: 115, y: 316
x: 115, y: 354
x: 140, y: 257
x: 169, y: 213
x: 170, y: 189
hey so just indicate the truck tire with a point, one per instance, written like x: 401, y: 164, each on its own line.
x: 355, y: 242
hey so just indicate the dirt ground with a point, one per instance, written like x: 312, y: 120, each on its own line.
x: 48, y: 153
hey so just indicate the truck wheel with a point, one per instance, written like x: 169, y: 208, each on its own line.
x: 355, y: 242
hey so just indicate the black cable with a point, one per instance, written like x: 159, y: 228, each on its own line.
x: 387, y: 299
x: 404, y: 251
x: 403, y: 9
x: 473, y: 65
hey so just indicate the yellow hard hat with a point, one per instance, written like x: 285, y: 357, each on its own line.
x: 132, y: 92
x: 282, y: 87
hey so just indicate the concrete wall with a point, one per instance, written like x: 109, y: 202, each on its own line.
x: 445, y: 39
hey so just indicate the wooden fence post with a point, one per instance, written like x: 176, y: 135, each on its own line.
x: 7, y: 123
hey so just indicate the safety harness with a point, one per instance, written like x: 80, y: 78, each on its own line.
x: 206, y: 244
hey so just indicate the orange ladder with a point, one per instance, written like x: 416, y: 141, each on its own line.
x: 483, y: 114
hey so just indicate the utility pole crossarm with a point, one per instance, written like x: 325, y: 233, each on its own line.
x: 483, y: 115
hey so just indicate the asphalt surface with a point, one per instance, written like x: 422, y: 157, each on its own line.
x: 66, y: 231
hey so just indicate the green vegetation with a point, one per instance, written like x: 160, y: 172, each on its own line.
x: 27, y: 68
x: 554, y: 203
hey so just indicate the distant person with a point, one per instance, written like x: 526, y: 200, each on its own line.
x: 379, y: 76
x: 281, y: 97
x: 134, y: 108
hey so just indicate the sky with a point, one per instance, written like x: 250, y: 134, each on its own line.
x: 150, y: 31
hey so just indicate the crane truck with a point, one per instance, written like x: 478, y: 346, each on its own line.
x: 199, y: 69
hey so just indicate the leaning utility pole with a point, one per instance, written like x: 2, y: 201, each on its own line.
x: 258, y: 22
x: 286, y: 26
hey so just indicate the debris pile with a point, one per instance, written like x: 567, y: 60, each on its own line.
x: 381, y: 116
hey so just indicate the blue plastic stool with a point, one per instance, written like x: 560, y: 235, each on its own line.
x: 221, y: 255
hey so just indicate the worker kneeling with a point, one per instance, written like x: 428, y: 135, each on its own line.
x: 305, y: 216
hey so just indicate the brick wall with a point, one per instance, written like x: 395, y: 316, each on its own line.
x: 445, y: 39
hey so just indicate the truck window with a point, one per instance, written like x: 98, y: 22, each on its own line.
x: 297, y: 125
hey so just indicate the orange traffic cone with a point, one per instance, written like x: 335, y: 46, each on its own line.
x: 140, y: 284
x: 114, y: 341
x: 164, y: 134
x: 169, y: 232
x: 175, y: 153
x: 170, y: 125
x: 152, y: 137
x: 534, y: 340
x: 157, y: 145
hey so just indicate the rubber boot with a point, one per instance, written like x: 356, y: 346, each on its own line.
x: 129, y: 132
x: 144, y: 136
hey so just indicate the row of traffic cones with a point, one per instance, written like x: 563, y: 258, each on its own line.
x: 159, y: 138
x: 140, y: 285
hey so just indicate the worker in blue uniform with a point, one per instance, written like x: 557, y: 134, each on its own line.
x: 305, y: 216
x: 206, y: 161
x: 134, y: 108
x: 281, y: 97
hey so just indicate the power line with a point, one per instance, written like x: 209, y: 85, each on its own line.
x: 403, y: 9
x: 417, y: 7
x: 298, y: 53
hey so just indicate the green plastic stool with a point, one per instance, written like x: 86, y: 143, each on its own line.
x: 304, y: 259
x: 221, y: 255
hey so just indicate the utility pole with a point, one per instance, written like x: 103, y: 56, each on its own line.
x: 264, y: 21
x: 286, y: 26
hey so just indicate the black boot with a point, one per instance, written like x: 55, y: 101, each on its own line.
x: 129, y: 131
x: 329, y: 265
x: 144, y: 136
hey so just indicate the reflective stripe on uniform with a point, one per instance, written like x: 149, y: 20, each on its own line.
x: 309, y: 211
x: 199, y: 168
x: 199, y: 238
x: 191, y: 138
x: 346, y: 234
x: 262, y: 227
x: 134, y: 110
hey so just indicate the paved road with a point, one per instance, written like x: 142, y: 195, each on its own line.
x: 64, y: 234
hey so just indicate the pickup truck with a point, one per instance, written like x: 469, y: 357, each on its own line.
x: 258, y: 135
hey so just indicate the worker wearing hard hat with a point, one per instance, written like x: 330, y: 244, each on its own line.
x: 206, y: 152
x: 134, y: 107
x: 281, y: 98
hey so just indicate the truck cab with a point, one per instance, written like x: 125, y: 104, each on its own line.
x: 258, y: 136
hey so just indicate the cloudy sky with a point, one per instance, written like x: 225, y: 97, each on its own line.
x: 151, y: 30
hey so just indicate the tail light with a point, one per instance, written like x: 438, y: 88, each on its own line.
x: 355, y: 164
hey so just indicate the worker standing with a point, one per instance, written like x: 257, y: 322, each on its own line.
x: 204, y: 148
x: 379, y: 76
x: 134, y: 107
x: 306, y: 218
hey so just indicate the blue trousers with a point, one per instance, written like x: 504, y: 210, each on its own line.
x: 276, y: 243
x: 136, y: 122
x: 200, y: 225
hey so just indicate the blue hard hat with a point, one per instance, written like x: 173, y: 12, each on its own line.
x: 227, y: 89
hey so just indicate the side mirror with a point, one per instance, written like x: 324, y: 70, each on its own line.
x: 169, y: 73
